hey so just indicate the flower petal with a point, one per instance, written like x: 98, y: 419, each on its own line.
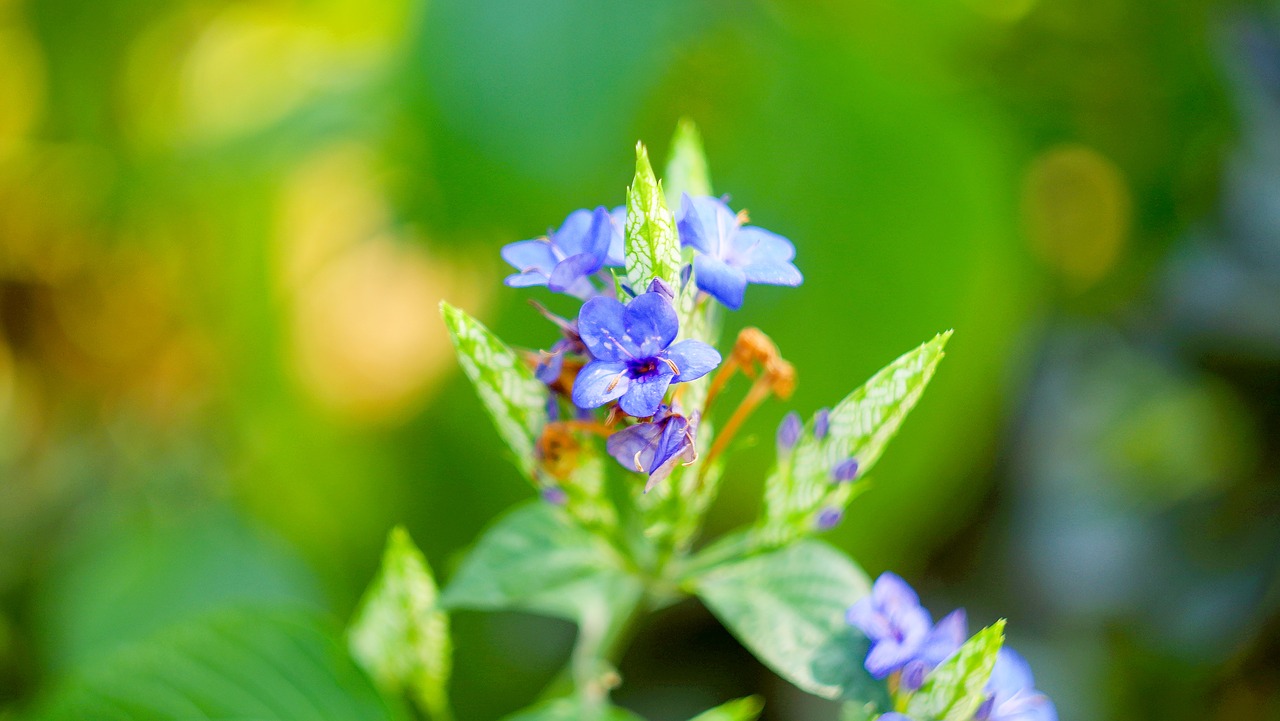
x: 1011, y: 674
x: 645, y: 393
x: 891, y: 592
x: 886, y: 657
x: 600, y: 324
x: 525, y: 279
x: 617, y: 253
x: 726, y: 284
x: 651, y: 324
x: 570, y: 271
x: 946, y: 638
x: 571, y: 238
x: 706, y: 224
x: 764, y: 257
x: 528, y: 255
x: 600, y: 382
x: 694, y: 359
x: 634, y: 443
x: 864, y: 616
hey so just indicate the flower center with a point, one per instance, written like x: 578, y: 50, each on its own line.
x: 642, y: 367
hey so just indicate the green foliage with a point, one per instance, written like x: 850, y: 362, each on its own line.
x: 515, y: 399
x: 563, y: 709
x: 686, y: 170
x: 787, y: 607
x: 536, y: 558
x: 652, y: 248
x: 860, y: 427
x: 954, y: 690
x: 232, y: 665
x: 399, y: 635
x: 742, y: 709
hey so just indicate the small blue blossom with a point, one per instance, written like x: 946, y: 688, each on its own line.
x: 1013, y: 695
x: 634, y: 360
x: 944, y: 639
x: 731, y: 254
x: 821, y: 423
x: 829, y: 518
x: 655, y: 447
x: 894, y: 716
x: 893, y: 620
x: 789, y: 432
x: 845, y: 470
x: 565, y: 260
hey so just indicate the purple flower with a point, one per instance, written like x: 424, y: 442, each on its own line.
x: 564, y: 261
x: 845, y: 470
x: 893, y: 620
x: 1013, y: 693
x: 731, y: 254
x: 821, y: 423
x: 894, y: 716
x: 554, y: 495
x: 944, y: 639
x: 634, y: 359
x: 829, y: 518
x: 789, y: 432
x: 655, y: 447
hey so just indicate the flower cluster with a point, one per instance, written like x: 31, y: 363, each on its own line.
x: 625, y: 349
x: 906, y: 646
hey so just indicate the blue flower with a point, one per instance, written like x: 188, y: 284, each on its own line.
x: 821, y: 423
x: 564, y: 262
x: 894, y: 716
x: 731, y: 254
x: 789, y: 431
x: 633, y: 357
x: 893, y: 620
x: 944, y: 639
x: 655, y: 447
x: 1013, y: 695
x: 845, y: 471
x: 829, y: 518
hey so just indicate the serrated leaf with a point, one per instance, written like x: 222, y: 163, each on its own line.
x: 400, y: 636
x: 743, y: 709
x: 536, y: 558
x: 652, y: 247
x: 243, y: 664
x: 954, y: 690
x: 563, y: 709
x: 859, y: 427
x: 787, y: 607
x: 515, y: 399
x: 686, y: 170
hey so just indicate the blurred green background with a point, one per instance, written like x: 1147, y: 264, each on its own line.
x: 225, y: 227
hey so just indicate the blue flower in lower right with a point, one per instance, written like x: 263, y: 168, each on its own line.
x: 1013, y: 693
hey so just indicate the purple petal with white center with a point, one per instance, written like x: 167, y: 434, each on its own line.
x: 694, y: 359
x: 719, y: 280
x: 651, y: 324
x: 603, y: 330
x: 600, y: 382
x: 646, y: 391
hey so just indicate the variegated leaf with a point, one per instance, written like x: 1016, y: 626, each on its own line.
x: 652, y: 248
x: 515, y: 399
x: 954, y: 690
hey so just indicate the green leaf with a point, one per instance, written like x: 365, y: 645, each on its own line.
x: 787, y: 607
x: 954, y: 690
x: 686, y: 170
x: 743, y: 709
x: 399, y: 636
x: 231, y: 665
x: 536, y: 558
x: 563, y: 709
x: 515, y: 399
x: 860, y: 427
x: 858, y: 711
x: 653, y: 250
